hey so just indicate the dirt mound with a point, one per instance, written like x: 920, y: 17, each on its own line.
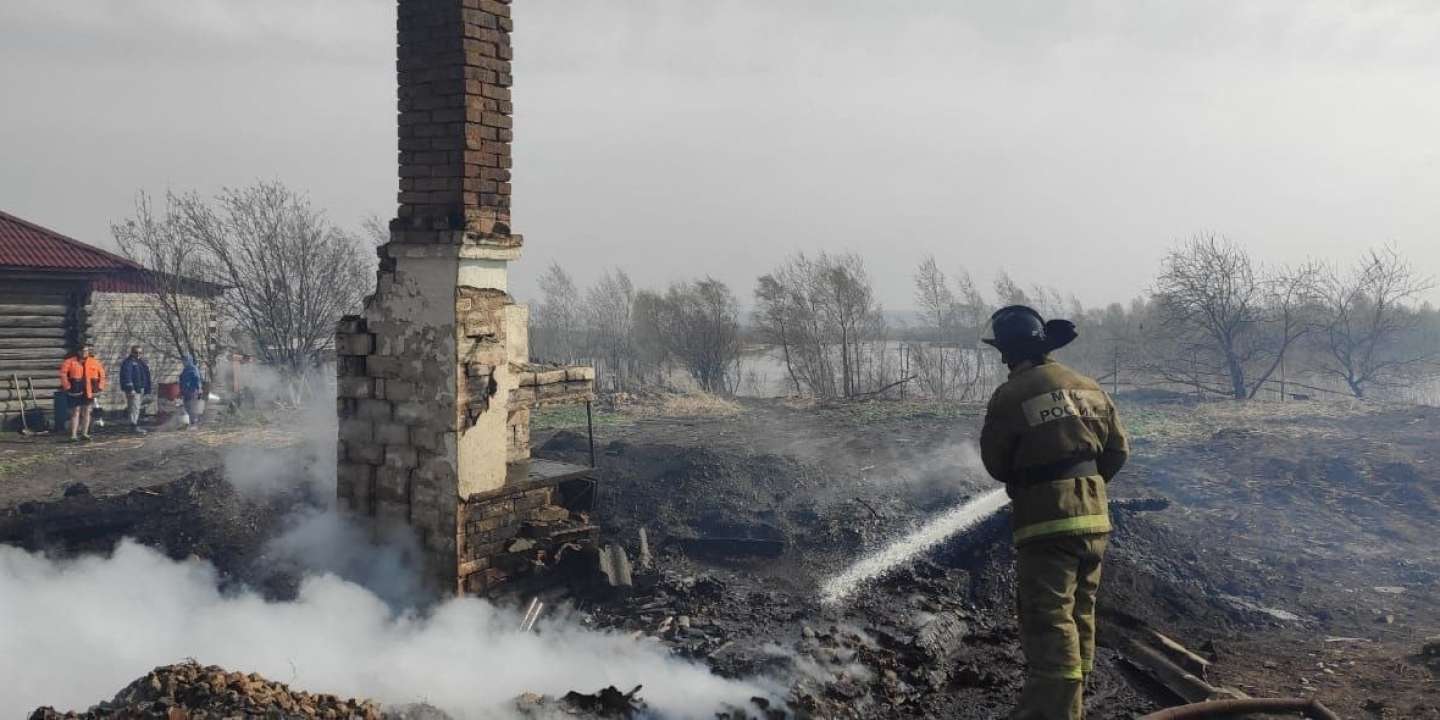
x: 200, y: 514
x: 188, y: 690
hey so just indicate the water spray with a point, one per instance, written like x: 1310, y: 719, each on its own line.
x: 957, y: 519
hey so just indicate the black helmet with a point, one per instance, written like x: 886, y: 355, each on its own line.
x: 1016, y: 327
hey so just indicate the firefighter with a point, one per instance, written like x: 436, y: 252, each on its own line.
x: 1053, y: 437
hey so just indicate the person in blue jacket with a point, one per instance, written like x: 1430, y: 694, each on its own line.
x: 135, y: 383
x: 192, y: 390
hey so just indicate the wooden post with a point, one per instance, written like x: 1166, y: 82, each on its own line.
x: 590, y: 431
x: 1115, y: 374
x: 1282, y: 378
x: 904, y: 367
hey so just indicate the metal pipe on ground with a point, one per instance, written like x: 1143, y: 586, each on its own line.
x: 1230, y: 708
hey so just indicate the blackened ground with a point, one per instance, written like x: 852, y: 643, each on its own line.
x: 199, y: 514
x: 1297, y: 551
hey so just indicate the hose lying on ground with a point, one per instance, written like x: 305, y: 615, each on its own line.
x: 1225, y: 708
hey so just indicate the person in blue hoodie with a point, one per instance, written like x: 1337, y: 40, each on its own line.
x: 192, y: 390
x: 135, y: 382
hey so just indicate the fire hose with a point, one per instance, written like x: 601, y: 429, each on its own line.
x: 1225, y: 708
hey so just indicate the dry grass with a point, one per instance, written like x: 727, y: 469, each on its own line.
x: 621, y: 408
x: 692, y: 404
x: 1176, y: 424
x: 12, y: 462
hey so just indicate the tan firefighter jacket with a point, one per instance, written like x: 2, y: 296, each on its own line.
x: 1053, y: 437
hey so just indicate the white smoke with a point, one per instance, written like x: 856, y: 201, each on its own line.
x: 79, y: 630
x: 386, y: 560
x: 304, y: 410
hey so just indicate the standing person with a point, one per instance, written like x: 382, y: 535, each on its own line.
x: 1053, y: 437
x: 192, y: 390
x: 135, y: 382
x: 82, y: 377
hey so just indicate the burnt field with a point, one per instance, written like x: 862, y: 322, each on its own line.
x: 1295, y: 548
x: 1290, y: 547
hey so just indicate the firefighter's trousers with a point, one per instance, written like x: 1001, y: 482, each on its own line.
x: 1055, y: 586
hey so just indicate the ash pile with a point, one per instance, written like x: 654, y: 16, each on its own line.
x: 189, y: 691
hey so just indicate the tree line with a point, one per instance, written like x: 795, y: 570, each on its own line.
x: 636, y: 337
x: 1215, y: 321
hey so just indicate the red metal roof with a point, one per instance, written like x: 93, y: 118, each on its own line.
x: 24, y: 244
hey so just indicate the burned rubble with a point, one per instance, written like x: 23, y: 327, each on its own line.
x: 190, y: 691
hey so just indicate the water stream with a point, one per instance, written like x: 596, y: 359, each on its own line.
x: 956, y: 519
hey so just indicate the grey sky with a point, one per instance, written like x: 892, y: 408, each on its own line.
x: 1068, y: 143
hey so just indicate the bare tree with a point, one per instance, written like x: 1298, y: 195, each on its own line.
x: 946, y: 362
x: 776, y: 322
x: 849, y: 303
x: 1210, y: 299
x: 699, y: 328
x: 558, y: 325
x: 176, y: 321
x: 1009, y: 292
x: 1365, y: 317
x: 291, y: 273
x: 824, y: 311
x: 791, y: 309
x: 374, y: 230
x: 933, y: 297
x: 649, y: 348
x: 609, y: 306
x: 1290, y: 314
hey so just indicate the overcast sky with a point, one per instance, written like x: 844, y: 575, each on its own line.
x: 1068, y: 143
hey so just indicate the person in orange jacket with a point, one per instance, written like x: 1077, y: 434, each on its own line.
x: 82, y: 377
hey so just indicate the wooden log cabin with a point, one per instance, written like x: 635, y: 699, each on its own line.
x: 56, y: 292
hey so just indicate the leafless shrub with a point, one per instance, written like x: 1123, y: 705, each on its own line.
x: 946, y: 361
x: 823, y: 314
x: 556, y: 329
x: 1228, y: 324
x: 177, y: 319
x: 609, y: 318
x: 291, y: 273
x: 1365, y: 319
x: 697, y: 325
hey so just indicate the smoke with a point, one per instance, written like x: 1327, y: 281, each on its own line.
x: 361, y: 623
x: 384, y: 560
x: 307, y: 462
x: 79, y: 630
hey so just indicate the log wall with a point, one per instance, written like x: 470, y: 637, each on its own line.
x: 40, y: 320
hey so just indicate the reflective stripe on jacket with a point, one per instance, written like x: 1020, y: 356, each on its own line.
x: 82, y: 377
x: 1048, y: 415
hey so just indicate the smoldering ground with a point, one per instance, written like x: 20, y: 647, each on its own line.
x: 83, y: 628
x: 359, y: 624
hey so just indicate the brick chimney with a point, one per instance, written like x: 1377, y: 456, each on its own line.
x: 434, y: 381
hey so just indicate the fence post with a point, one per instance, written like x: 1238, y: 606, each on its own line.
x: 1115, y: 374
x: 904, y: 367
x: 1282, y: 378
